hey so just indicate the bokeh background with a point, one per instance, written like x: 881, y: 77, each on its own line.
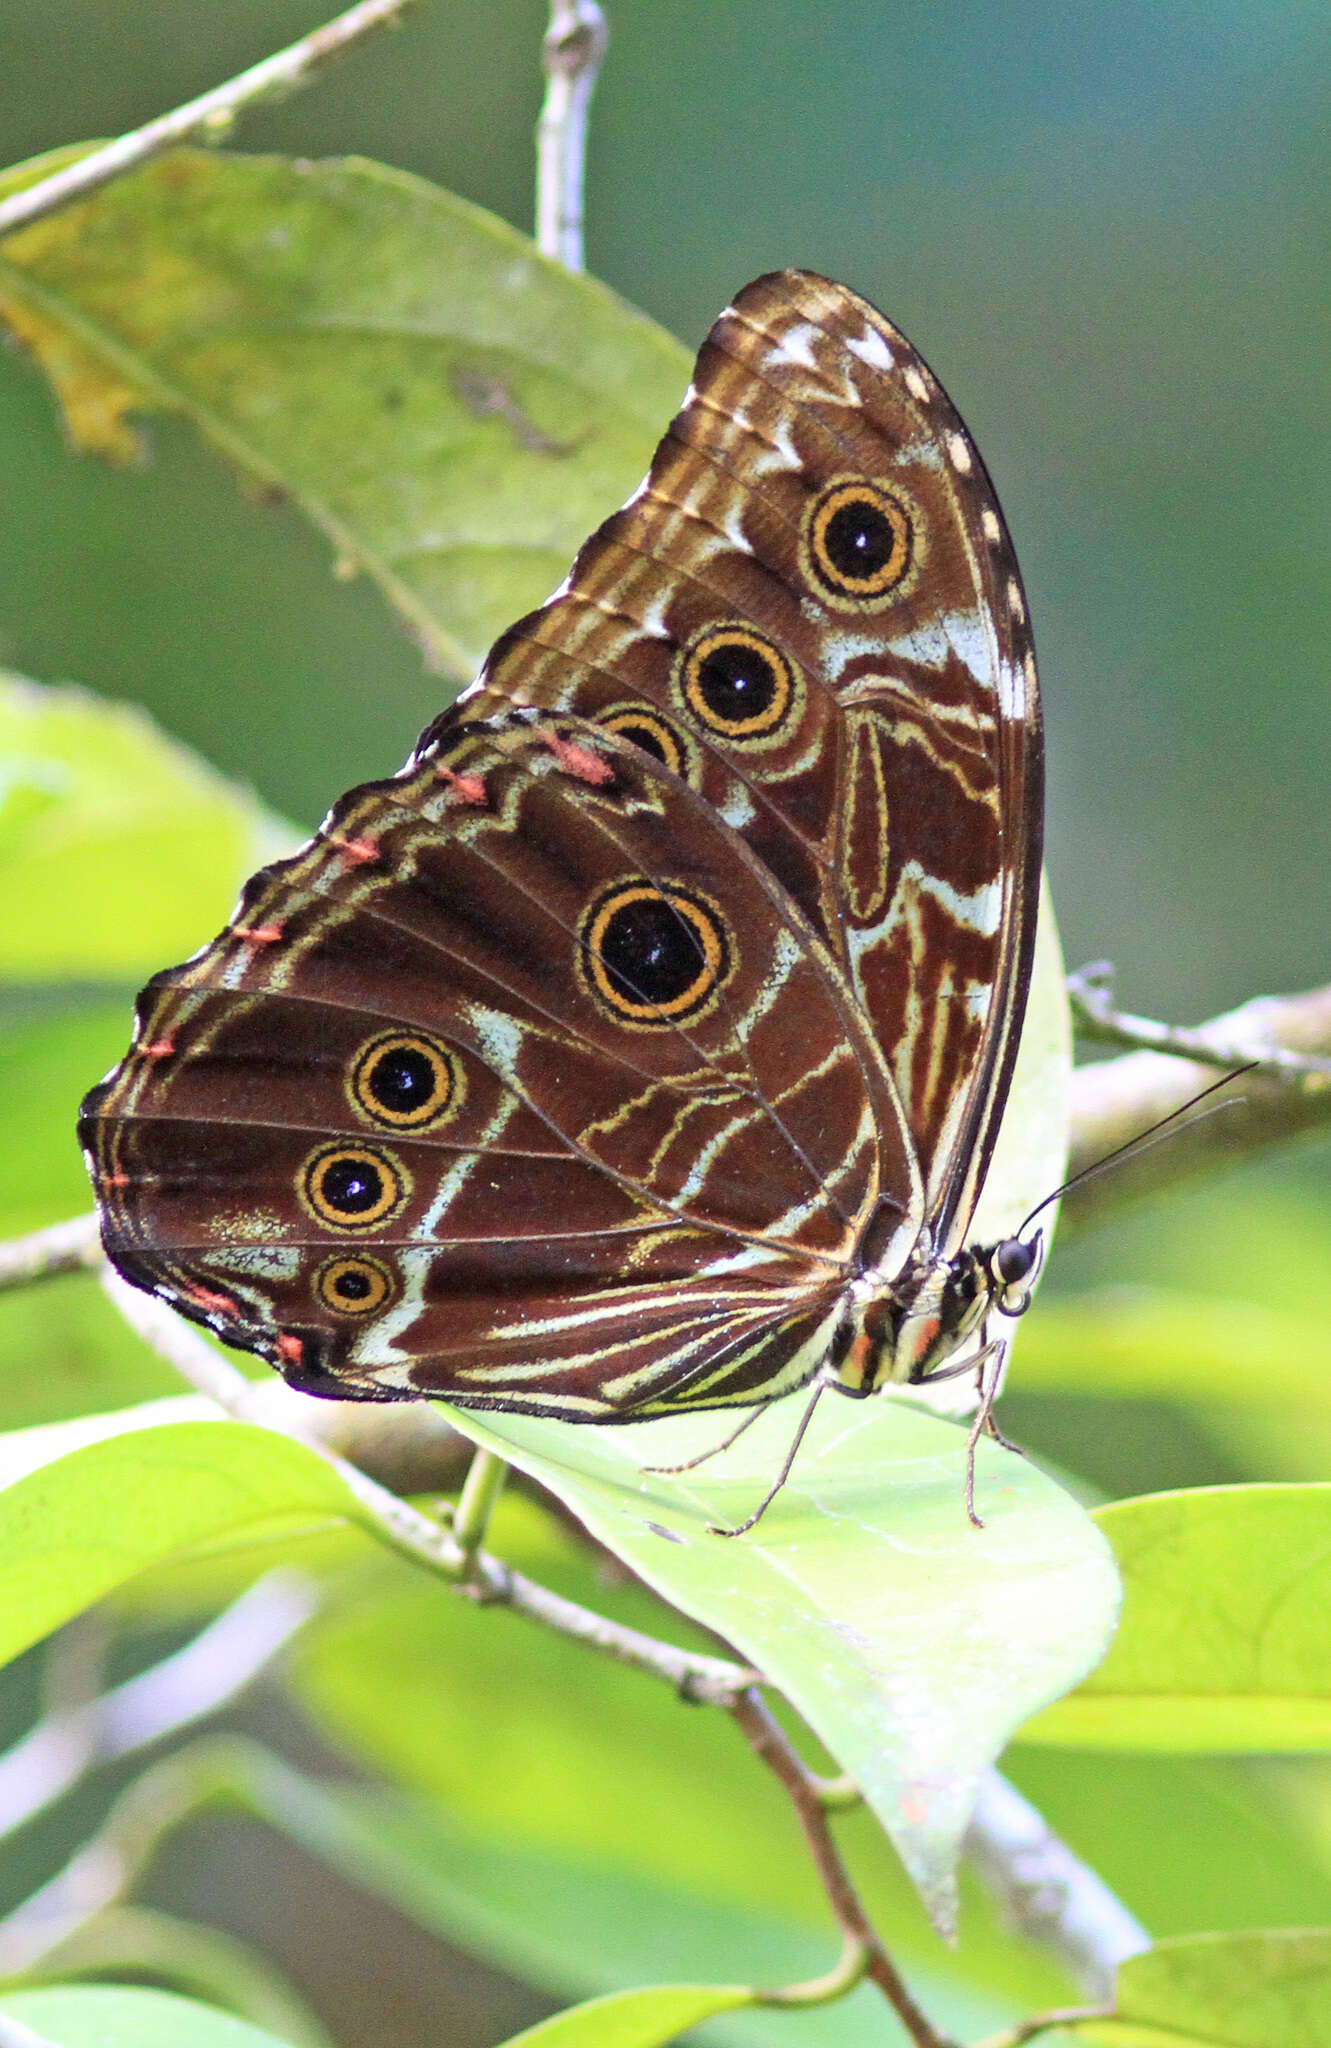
x: 1104, y: 228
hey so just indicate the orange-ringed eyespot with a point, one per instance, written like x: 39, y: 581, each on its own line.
x: 352, y: 1285
x: 861, y: 542
x: 405, y: 1081
x: 736, y: 684
x: 351, y: 1187
x: 653, y: 956
x: 645, y: 728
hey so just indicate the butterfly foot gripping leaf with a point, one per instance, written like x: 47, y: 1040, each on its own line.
x: 641, y: 1046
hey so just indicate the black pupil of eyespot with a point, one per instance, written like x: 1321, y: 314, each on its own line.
x: 859, y: 538
x: 650, y: 952
x: 402, y: 1079
x: 737, y: 681
x: 645, y: 738
x: 353, y: 1285
x: 351, y: 1186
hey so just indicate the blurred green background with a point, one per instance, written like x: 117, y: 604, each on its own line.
x: 1105, y: 229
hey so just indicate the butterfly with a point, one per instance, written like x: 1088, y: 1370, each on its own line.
x: 641, y: 1046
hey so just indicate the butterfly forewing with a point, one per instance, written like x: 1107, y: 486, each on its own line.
x: 875, y: 740
x: 586, y: 1066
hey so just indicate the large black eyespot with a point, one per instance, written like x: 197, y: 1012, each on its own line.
x: 653, y: 956
x: 351, y: 1187
x: 645, y: 728
x: 736, y: 684
x: 861, y: 542
x: 406, y: 1081
x: 352, y: 1285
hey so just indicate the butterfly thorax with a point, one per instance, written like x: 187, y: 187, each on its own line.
x: 917, y: 1324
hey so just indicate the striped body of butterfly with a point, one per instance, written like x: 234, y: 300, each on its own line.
x: 641, y: 1046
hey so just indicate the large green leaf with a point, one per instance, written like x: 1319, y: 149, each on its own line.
x: 520, y: 1738
x: 454, y: 410
x: 1224, y: 1642
x: 119, y: 850
x: 910, y: 1642
x: 73, y: 1529
x: 120, y: 2016
x: 1266, y: 1989
x: 584, y: 1927
x: 650, y: 2018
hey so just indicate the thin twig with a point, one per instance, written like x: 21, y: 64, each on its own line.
x: 207, y: 1674
x: 208, y: 118
x: 768, y: 1740
x: 415, y: 1535
x: 1116, y: 1098
x: 1043, y: 2023
x: 1046, y: 1892
x: 571, y: 53
x: 1091, y: 994
x: 70, y: 1247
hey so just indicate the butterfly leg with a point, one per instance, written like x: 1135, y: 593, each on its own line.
x: 692, y: 1464
x: 989, y: 1378
x: 742, y: 1528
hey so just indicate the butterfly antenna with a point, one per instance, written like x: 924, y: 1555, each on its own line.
x: 1154, y: 1134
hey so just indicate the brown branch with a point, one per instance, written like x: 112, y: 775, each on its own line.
x: 71, y: 1247
x: 208, y: 118
x: 768, y: 1740
x: 1115, y: 1099
x: 572, y: 52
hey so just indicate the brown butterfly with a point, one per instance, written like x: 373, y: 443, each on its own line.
x: 641, y: 1046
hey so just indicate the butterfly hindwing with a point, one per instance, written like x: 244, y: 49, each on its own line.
x: 433, y: 1114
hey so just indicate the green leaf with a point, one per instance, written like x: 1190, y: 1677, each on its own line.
x: 585, y: 1926
x: 119, y: 850
x: 1265, y: 1989
x: 121, y: 2016
x: 1224, y: 1642
x: 454, y: 410
x: 650, y: 2018
x: 911, y: 1643
x: 73, y: 1529
x: 519, y: 1737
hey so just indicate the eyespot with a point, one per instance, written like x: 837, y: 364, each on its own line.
x: 353, y: 1285
x: 405, y: 1081
x: 645, y: 728
x: 861, y: 543
x: 736, y: 684
x: 351, y: 1187
x: 652, y: 956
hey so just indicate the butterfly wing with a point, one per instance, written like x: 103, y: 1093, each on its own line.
x: 810, y: 612
x: 522, y: 1084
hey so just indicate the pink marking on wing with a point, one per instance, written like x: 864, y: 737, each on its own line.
x: 577, y: 760
x: 356, y: 851
x: 469, y: 789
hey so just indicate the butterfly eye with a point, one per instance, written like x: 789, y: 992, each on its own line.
x: 354, y: 1286
x: 644, y: 727
x: 738, y: 685
x: 351, y: 1187
x: 652, y: 957
x: 406, y: 1081
x: 861, y: 543
x: 1013, y: 1261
